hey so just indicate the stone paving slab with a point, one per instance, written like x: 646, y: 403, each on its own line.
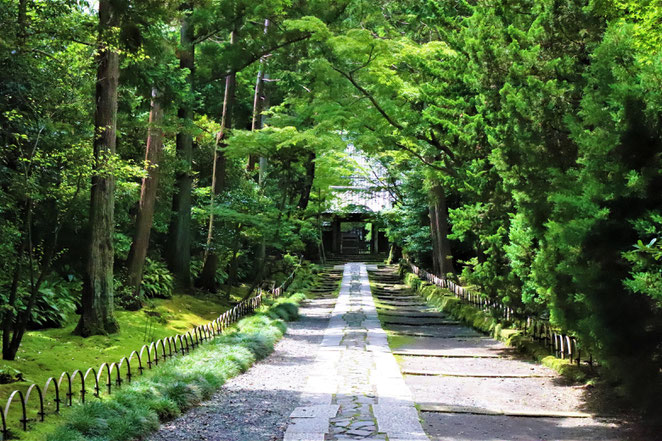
x: 457, y: 346
x: 485, y: 374
x: 401, y: 420
x: 441, y: 353
x: 471, y: 366
x: 403, y: 321
x: 413, y: 314
x: 329, y: 411
x: 426, y: 334
x: 464, y: 427
x: 309, y: 425
x: 298, y: 436
x: 436, y: 331
x: 357, y: 373
x: 534, y: 413
x: 507, y: 395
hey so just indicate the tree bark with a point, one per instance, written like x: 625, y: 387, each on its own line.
x: 442, y: 255
x: 22, y: 21
x: 150, y: 183
x: 179, y: 244
x: 258, y: 105
x: 308, y: 184
x: 207, y: 278
x: 256, y: 123
x: 97, y: 315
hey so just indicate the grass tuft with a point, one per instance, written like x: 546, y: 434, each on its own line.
x: 166, y: 392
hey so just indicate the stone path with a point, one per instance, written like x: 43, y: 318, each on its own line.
x: 334, y: 377
x: 256, y: 405
x: 472, y: 388
x: 357, y: 391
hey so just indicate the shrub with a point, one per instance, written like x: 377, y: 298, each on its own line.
x: 157, y: 280
x: 58, y: 299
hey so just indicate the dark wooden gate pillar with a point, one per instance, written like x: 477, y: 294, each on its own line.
x: 335, y: 226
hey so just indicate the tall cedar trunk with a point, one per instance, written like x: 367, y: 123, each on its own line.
x: 234, y: 261
x: 150, y: 183
x: 432, y: 210
x: 22, y: 21
x: 308, y: 184
x: 256, y: 123
x: 208, y: 276
x: 262, y: 174
x: 179, y: 243
x: 97, y: 315
x: 442, y: 255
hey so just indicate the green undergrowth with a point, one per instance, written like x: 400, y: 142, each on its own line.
x: 167, y: 391
x: 398, y: 341
x: 444, y: 300
x: 49, y: 352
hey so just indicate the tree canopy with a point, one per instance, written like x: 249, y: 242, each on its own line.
x: 200, y: 139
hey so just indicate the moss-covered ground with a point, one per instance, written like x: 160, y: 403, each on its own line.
x: 167, y: 390
x: 49, y: 352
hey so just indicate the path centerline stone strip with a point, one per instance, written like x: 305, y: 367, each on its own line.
x: 357, y: 391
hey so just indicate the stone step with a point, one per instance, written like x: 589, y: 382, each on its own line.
x: 443, y: 408
x: 419, y: 322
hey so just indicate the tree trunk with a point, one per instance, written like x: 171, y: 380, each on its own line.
x: 258, y: 104
x: 432, y: 210
x: 207, y: 278
x: 150, y: 183
x: 9, y: 315
x: 308, y: 184
x: 22, y: 21
x: 97, y: 302
x: 179, y: 244
x: 442, y: 256
x: 232, y: 271
x: 256, y: 123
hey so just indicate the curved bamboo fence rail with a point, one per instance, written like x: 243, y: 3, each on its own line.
x: 112, y: 375
x: 560, y: 344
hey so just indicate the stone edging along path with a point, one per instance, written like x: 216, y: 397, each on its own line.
x: 357, y: 390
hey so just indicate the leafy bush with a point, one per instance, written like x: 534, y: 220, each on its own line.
x: 58, y: 299
x: 126, y: 297
x: 157, y: 280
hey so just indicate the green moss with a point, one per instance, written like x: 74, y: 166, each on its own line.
x: 397, y: 341
x: 50, y: 352
x: 165, y: 392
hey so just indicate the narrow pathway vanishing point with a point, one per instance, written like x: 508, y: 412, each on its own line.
x: 334, y: 377
x: 357, y: 391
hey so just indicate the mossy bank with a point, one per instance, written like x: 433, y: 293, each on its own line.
x: 161, y: 395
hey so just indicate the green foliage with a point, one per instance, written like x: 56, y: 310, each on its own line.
x: 157, y: 280
x: 539, y: 121
x: 57, y: 301
x: 136, y: 410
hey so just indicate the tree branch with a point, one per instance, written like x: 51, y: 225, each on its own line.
x: 258, y: 56
x: 432, y: 140
x: 372, y: 99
